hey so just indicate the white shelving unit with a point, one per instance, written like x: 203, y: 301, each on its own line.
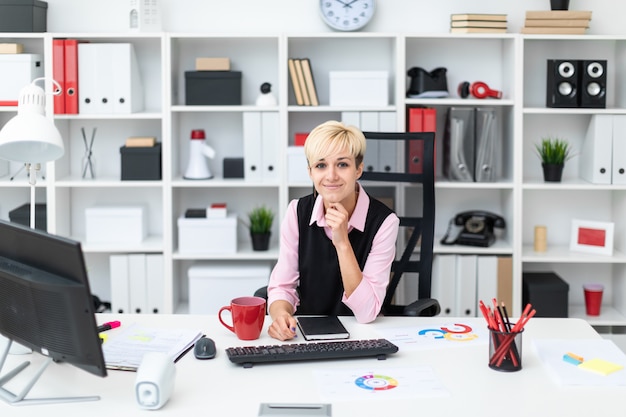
x: 512, y: 63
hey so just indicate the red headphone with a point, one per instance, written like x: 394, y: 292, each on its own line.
x: 478, y: 89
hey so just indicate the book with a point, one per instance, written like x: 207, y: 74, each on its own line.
x: 477, y: 23
x: 309, y: 81
x: 293, y: 76
x: 554, y: 30
x: 300, y: 75
x: 477, y: 30
x: 479, y: 16
x: 583, y: 23
x: 558, y: 14
x: 140, y: 141
x: 322, y: 328
x: 11, y: 48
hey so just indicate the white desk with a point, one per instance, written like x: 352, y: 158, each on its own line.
x: 218, y: 388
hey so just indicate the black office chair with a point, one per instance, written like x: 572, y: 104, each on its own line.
x: 421, y: 144
x: 419, y: 151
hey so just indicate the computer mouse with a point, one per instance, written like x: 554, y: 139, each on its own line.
x: 204, y: 348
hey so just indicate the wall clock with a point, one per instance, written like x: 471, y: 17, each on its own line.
x: 347, y: 15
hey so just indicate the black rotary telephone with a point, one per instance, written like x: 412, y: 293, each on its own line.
x: 477, y: 228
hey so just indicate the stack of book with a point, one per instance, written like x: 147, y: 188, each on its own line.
x: 478, y: 23
x: 302, y: 82
x: 568, y: 22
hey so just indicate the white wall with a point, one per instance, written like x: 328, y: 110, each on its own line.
x: 296, y: 16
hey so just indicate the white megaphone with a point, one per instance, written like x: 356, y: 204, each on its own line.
x: 198, y: 167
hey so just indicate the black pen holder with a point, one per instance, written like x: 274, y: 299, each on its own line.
x: 505, y: 350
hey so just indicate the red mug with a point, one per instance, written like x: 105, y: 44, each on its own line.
x: 248, y: 315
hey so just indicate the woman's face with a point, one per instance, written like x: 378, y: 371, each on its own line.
x: 334, y: 177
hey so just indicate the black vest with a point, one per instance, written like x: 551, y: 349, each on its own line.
x: 321, y: 288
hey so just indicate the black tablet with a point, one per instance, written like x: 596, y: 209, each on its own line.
x: 322, y: 328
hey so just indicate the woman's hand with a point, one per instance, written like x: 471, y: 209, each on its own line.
x: 283, y: 327
x: 337, y: 218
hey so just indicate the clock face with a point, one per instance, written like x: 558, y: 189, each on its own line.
x: 347, y: 15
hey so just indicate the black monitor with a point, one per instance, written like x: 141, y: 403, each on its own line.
x: 45, y: 301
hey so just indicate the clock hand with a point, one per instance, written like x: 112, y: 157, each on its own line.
x: 342, y: 2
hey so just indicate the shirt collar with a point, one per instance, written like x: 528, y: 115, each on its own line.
x: 357, y: 220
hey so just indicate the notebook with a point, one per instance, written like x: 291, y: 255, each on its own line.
x: 322, y: 328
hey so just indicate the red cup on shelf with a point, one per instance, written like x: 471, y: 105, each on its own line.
x: 593, y: 298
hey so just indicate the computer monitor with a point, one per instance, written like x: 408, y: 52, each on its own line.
x: 46, y: 304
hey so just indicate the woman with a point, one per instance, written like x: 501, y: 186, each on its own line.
x: 337, y: 244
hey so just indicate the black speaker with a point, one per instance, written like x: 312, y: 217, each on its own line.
x: 593, y: 83
x: 563, y: 83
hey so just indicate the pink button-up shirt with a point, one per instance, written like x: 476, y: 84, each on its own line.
x: 366, y: 301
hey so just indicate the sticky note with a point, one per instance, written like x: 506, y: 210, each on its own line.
x: 573, y: 359
x: 600, y: 366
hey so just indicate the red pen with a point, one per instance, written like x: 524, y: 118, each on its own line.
x: 108, y: 326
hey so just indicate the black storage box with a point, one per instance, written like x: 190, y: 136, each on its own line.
x: 233, y: 167
x: 547, y: 292
x: 23, y: 16
x: 212, y: 87
x: 141, y: 163
x: 21, y: 215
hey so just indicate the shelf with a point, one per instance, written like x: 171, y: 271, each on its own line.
x: 569, y: 184
x: 500, y: 247
x: 562, y: 254
x: 244, y: 252
x: 150, y: 244
x: 609, y: 316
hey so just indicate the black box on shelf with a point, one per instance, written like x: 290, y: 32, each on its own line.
x: 141, y: 163
x: 547, y: 292
x: 21, y: 215
x: 212, y: 87
x: 23, y: 16
x: 233, y: 167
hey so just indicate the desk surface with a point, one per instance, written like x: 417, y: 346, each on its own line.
x: 218, y: 387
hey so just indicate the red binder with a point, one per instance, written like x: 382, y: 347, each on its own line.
x: 58, y: 73
x: 421, y: 119
x: 71, y: 76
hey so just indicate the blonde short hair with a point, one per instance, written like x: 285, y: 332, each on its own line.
x: 332, y: 137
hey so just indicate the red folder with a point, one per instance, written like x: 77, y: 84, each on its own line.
x: 415, y: 149
x: 421, y: 119
x: 58, y: 73
x: 71, y: 76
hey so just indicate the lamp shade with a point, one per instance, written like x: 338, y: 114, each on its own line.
x: 30, y: 137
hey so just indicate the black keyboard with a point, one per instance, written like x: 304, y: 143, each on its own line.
x: 345, y: 349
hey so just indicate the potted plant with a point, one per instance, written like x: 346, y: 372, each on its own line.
x: 260, y: 221
x: 559, y: 4
x: 553, y: 153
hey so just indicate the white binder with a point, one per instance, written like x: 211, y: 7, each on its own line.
x: 387, y: 150
x: 137, y: 283
x: 127, y: 86
x: 619, y: 150
x: 595, y: 154
x: 120, y: 301
x: 369, y: 123
x: 155, y: 285
x: 486, y: 279
x: 444, y: 283
x: 351, y: 118
x: 88, y: 82
x: 270, y: 139
x: 252, y: 146
x: 466, y: 305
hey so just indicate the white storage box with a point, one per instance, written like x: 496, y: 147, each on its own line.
x: 116, y: 224
x: 207, y: 235
x: 359, y: 88
x: 18, y: 71
x: 212, y: 286
x: 296, y: 165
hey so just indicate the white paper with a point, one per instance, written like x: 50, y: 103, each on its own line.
x: 443, y: 335
x: 551, y: 352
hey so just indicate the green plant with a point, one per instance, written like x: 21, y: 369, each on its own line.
x: 554, y: 151
x: 260, y: 220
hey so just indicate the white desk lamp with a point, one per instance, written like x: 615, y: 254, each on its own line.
x: 30, y: 137
x: 33, y: 139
